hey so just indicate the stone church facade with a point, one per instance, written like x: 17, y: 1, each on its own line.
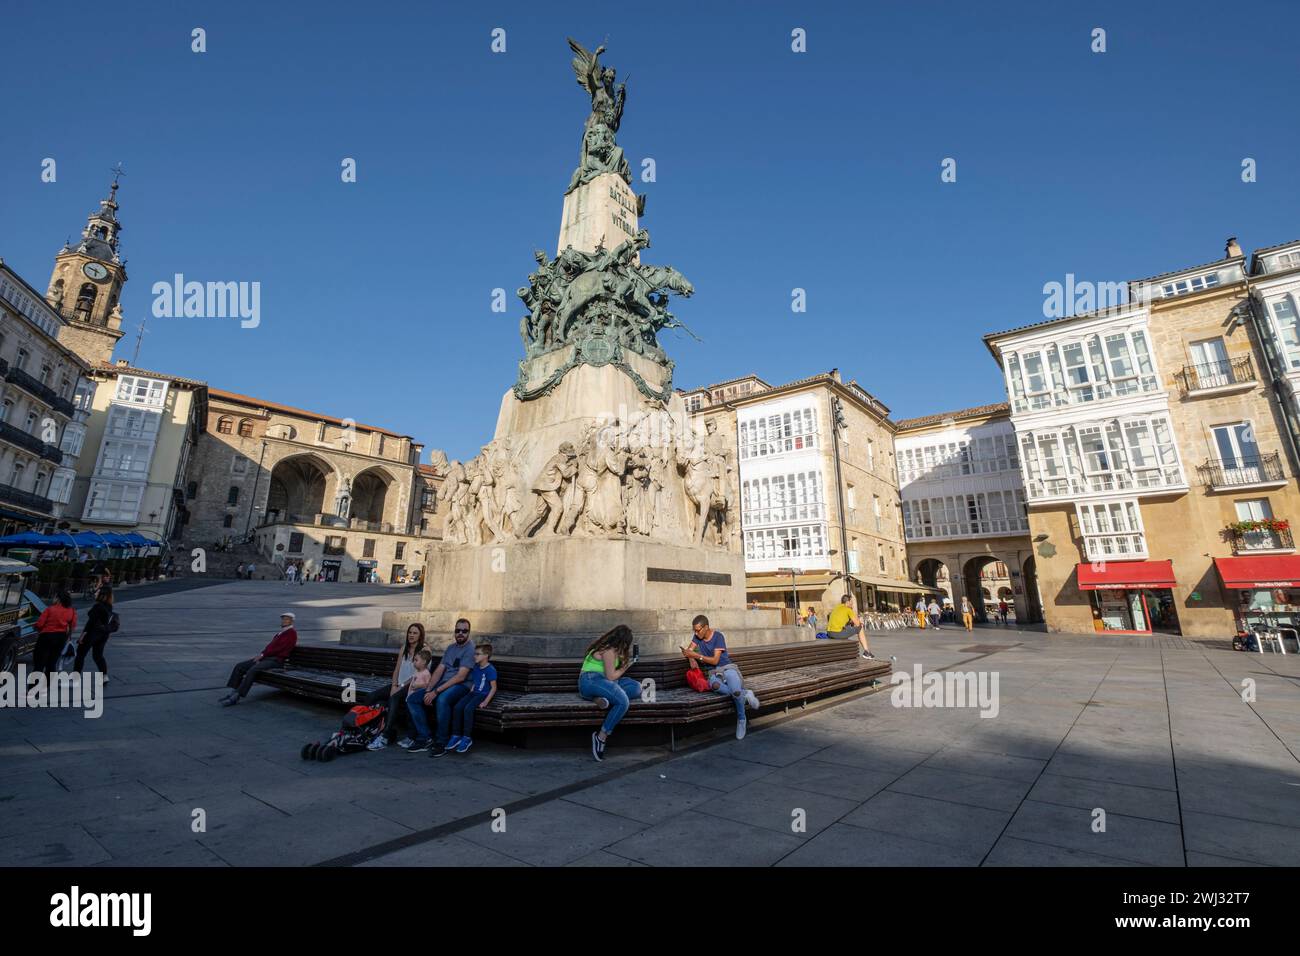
x: 323, y: 493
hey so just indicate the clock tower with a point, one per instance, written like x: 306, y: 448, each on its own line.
x: 86, y: 285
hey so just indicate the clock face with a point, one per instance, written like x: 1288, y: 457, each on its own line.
x: 95, y: 271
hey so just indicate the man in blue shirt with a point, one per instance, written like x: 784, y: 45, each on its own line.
x: 448, y: 684
x: 710, y: 648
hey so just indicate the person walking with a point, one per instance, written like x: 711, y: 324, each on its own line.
x: 101, y: 622
x: 53, y: 629
x: 710, y: 647
x: 967, y: 613
x: 920, y: 612
x: 1002, y: 612
x: 274, y: 655
x: 934, y: 612
x: 290, y: 573
x: 601, y: 679
x: 239, y: 571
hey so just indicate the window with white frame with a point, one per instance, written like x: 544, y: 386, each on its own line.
x: 963, y: 515
x: 1194, y: 284
x: 74, y: 437
x: 140, y: 423
x: 1112, y: 455
x: 140, y: 391
x: 875, y: 510
x: 779, y: 498
x: 1080, y: 370
x: 1112, y: 530
x: 1286, y: 260
x: 805, y: 541
x: 124, y: 459
x: 61, y: 487
x: 1284, y: 318
x: 113, y: 501
x: 779, y: 433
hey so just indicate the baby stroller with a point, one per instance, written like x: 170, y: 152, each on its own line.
x: 361, y: 725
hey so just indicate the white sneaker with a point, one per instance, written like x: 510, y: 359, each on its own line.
x: 740, y: 729
x: 405, y: 743
x: 750, y: 700
x: 379, y: 743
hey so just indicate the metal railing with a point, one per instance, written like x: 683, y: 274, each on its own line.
x: 1199, y: 378
x: 16, y: 436
x: 1265, y: 539
x: 25, y: 499
x: 42, y: 391
x: 1218, y: 473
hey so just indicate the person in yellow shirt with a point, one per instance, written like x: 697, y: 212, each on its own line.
x: 843, y: 623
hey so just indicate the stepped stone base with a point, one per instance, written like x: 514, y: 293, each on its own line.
x: 517, y: 640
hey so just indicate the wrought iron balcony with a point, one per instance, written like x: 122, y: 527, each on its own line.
x: 1262, y: 539
x: 25, y: 499
x: 1264, y: 470
x: 1217, y: 375
x: 42, y: 391
x: 16, y: 436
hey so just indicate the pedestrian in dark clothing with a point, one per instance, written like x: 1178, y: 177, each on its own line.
x: 274, y: 655
x: 53, y: 629
x: 101, y: 621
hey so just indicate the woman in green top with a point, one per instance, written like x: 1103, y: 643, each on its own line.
x: 601, y: 679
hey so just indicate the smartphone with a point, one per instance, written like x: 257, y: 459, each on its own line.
x: 636, y: 652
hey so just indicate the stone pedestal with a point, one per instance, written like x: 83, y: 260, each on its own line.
x: 603, y: 209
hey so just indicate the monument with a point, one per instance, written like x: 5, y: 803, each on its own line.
x: 598, y: 501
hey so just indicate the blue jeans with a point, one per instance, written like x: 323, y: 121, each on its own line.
x: 620, y: 695
x: 415, y: 710
x: 727, y: 680
x: 462, y: 715
x: 442, y: 705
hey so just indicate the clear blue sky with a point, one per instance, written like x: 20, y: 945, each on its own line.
x: 775, y: 171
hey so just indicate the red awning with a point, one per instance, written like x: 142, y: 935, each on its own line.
x: 1260, y: 571
x: 1126, y: 575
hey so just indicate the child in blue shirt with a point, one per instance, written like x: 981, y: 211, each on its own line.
x: 482, y: 684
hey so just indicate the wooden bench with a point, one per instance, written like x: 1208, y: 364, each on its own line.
x: 537, y: 693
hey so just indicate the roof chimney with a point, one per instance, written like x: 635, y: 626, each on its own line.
x: 1233, y: 248
x: 122, y: 363
x: 835, y: 374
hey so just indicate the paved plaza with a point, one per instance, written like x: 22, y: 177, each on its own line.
x: 1156, y: 735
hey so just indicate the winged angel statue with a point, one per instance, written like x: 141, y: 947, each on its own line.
x: 600, y: 153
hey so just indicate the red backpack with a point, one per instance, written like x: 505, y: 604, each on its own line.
x: 696, y: 680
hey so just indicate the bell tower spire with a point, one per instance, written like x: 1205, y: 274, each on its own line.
x: 86, y: 284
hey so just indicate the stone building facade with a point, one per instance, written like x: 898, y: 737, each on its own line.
x: 142, y: 433
x: 324, y: 493
x: 1156, y: 459
x: 818, y: 490
x: 45, y: 397
x: 964, y: 511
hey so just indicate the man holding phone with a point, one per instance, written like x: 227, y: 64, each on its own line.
x: 709, y: 647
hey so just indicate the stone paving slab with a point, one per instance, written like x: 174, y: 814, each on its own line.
x: 1154, y: 732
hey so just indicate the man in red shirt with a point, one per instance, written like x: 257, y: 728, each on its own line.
x: 274, y: 654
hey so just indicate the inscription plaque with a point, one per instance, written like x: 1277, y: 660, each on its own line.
x: 678, y: 576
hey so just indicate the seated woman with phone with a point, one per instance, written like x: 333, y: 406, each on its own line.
x: 710, y: 648
x: 601, y: 679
